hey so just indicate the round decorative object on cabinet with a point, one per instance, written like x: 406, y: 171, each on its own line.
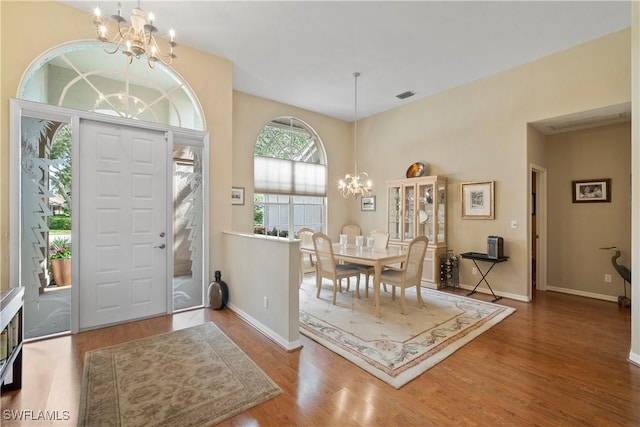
x: 416, y: 170
x: 218, y: 292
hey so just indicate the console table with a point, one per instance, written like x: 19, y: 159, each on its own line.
x: 11, y: 327
x: 477, y: 256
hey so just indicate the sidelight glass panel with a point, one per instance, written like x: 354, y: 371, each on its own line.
x: 188, y: 220
x: 45, y: 232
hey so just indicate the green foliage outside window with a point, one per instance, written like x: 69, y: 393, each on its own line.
x: 258, y: 209
x: 60, y: 177
x: 283, y: 142
x: 60, y: 222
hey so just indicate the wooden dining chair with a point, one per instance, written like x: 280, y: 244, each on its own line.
x: 307, y: 260
x: 381, y: 241
x: 328, y: 268
x: 351, y: 230
x: 411, y: 272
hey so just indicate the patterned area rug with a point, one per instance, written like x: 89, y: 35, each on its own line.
x: 191, y: 377
x: 395, y: 348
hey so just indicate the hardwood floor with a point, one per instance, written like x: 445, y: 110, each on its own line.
x: 559, y: 361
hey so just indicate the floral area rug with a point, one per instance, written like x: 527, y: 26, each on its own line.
x: 190, y: 377
x: 394, y: 347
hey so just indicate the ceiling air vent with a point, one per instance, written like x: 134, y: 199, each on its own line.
x: 405, y: 95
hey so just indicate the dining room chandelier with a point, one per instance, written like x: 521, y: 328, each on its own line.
x: 355, y: 184
x: 136, y: 39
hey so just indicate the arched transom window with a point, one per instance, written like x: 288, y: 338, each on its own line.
x: 82, y: 76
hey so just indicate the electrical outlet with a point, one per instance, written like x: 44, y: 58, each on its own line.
x: 266, y: 302
x: 607, y: 278
x: 474, y: 271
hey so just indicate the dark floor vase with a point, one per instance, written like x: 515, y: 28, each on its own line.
x: 218, y: 292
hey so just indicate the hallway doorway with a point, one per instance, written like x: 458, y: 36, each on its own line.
x: 537, y: 229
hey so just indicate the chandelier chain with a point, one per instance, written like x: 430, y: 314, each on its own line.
x: 356, y: 184
x: 355, y: 125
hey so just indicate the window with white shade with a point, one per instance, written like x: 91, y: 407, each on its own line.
x: 290, y: 178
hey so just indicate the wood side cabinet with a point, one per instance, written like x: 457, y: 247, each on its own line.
x: 418, y: 207
x: 11, y: 329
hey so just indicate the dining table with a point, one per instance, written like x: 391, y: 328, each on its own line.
x: 375, y: 257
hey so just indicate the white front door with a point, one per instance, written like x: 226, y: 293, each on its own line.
x: 122, y: 224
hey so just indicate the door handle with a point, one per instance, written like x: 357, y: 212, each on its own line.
x: 162, y: 246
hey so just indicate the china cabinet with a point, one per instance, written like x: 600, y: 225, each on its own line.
x: 418, y: 207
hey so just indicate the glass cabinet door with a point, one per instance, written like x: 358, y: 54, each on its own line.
x: 417, y: 207
x: 425, y: 211
x: 393, y: 212
x: 442, y: 214
x: 409, y: 213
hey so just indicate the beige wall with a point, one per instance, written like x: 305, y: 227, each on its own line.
x: 479, y: 132
x: 475, y: 132
x: 210, y: 79
x: 577, y: 230
x: 275, y: 277
x: 537, y: 147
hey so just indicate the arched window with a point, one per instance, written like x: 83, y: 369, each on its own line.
x: 82, y: 76
x: 290, y: 178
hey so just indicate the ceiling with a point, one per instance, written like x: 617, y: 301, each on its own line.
x: 304, y: 53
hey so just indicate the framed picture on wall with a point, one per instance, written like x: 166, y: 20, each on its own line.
x: 477, y: 200
x: 591, y: 190
x: 368, y: 203
x: 237, y: 195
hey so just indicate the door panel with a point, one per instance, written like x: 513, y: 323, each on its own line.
x: 123, y: 200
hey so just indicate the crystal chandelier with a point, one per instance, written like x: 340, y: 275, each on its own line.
x: 355, y: 184
x: 137, y: 39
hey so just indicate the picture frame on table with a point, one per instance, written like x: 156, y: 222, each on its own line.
x: 237, y: 195
x: 368, y: 203
x: 478, y: 200
x: 591, y: 190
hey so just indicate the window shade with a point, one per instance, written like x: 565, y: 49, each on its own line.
x: 277, y: 176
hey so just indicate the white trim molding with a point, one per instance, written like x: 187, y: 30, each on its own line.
x: 265, y: 330
x: 582, y: 293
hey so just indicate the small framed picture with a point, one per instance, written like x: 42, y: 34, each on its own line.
x: 477, y: 200
x: 368, y: 203
x: 591, y: 190
x: 237, y: 195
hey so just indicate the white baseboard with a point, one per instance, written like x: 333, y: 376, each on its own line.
x: 634, y: 358
x: 582, y: 293
x: 485, y: 290
x: 265, y: 330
